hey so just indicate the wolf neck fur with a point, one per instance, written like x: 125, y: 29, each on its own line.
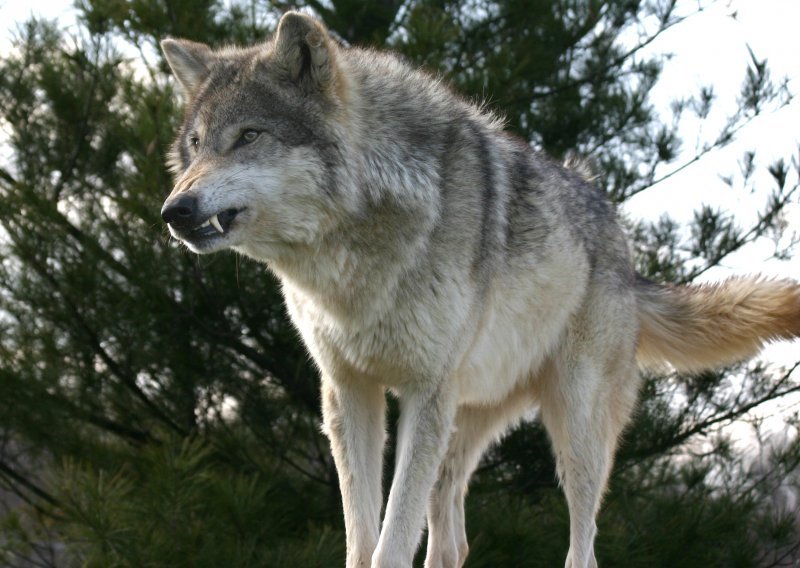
x: 357, y: 267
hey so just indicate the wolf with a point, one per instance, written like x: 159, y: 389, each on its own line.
x: 425, y: 251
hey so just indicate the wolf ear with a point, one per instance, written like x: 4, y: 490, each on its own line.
x: 304, y: 52
x: 188, y: 60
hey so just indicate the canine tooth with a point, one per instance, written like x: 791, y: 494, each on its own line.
x: 215, y: 221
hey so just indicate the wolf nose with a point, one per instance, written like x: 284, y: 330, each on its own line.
x: 181, y: 211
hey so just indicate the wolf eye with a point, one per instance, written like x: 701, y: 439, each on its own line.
x: 194, y: 142
x: 247, y: 137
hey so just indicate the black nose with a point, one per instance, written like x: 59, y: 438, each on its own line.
x: 180, y: 211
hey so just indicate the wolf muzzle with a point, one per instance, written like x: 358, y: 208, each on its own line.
x: 187, y: 221
x: 181, y: 211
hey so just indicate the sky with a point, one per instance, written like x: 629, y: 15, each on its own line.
x: 13, y: 12
x: 710, y: 48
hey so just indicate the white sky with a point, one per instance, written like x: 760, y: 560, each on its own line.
x: 709, y: 48
x: 13, y: 12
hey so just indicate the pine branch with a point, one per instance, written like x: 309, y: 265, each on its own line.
x: 18, y: 480
x: 774, y: 393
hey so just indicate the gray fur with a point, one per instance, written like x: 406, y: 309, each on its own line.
x: 421, y: 249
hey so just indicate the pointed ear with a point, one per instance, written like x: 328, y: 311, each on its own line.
x: 304, y: 52
x: 188, y: 60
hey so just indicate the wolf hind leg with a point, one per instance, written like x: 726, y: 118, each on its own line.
x: 584, y: 409
x: 476, y: 427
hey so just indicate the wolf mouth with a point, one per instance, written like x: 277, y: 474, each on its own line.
x: 217, y: 225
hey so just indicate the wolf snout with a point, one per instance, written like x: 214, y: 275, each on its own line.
x: 190, y: 223
x: 180, y: 211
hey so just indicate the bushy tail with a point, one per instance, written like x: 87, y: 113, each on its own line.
x: 698, y: 327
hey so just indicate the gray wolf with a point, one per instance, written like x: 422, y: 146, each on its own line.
x: 424, y: 250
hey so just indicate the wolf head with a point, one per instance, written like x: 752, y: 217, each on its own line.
x: 257, y: 160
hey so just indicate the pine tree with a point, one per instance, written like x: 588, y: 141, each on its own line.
x: 156, y: 407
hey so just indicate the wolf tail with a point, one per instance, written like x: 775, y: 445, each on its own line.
x: 696, y: 327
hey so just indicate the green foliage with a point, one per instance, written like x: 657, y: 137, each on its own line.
x: 178, y: 505
x: 156, y: 408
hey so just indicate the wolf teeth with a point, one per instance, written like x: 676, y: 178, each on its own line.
x: 211, y: 222
x: 215, y: 221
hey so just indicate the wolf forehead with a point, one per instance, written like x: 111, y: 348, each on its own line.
x: 240, y: 89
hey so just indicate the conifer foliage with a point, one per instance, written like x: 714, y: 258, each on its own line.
x: 157, y: 408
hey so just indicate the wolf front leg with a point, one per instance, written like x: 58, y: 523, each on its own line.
x: 426, y: 421
x: 354, y: 421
